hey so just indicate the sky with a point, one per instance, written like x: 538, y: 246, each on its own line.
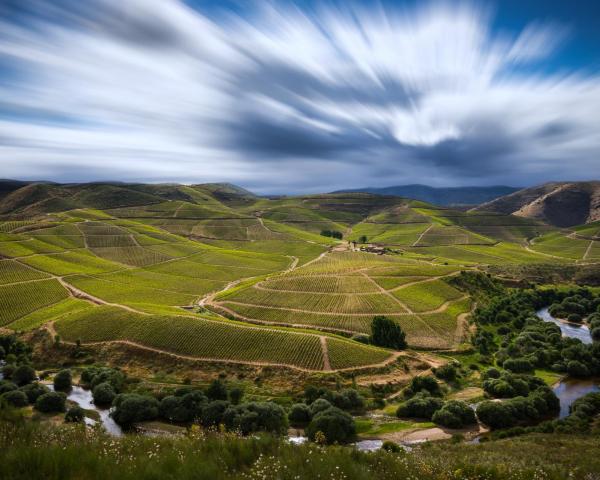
x: 300, y: 96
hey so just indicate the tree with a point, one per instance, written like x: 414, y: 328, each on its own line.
x: 75, y: 414
x: 132, y: 408
x: 336, y: 425
x: 256, y: 416
x: 319, y: 405
x: 577, y: 369
x: 422, y: 405
x: 235, y: 395
x: 212, y: 413
x: 495, y: 414
x: 217, y: 390
x: 427, y: 384
x: 34, y: 391
x: 454, y: 414
x: 51, y: 402
x: 446, y: 372
x: 387, y: 333
x: 103, y: 394
x: 518, y: 365
x: 63, y: 381
x: 16, y: 398
x: 299, y: 415
x: 6, y: 386
x: 362, y: 239
x: 23, y: 375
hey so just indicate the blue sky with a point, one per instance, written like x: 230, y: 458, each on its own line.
x: 304, y: 96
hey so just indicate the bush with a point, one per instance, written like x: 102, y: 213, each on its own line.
x: 495, y: 414
x: 8, y: 370
x: 34, y: 391
x: 299, y: 415
x: 16, y: 398
x: 454, y: 414
x: 387, y: 333
x: 391, y: 447
x: 596, y: 334
x: 427, y: 384
x: 23, y: 375
x: 63, y: 381
x: 446, y: 372
x: 6, y: 386
x: 103, y: 394
x: 212, y: 414
x: 319, y: 405
x: 132, y: 408
x: 94, y: 376
x: 421, y: 405
x: 256, y: 416
x: 336, y: 425
x: 184, y: 408
x: 518, y: 365
x: 51, y: 402
x: 235, y: 395
x: 574, y: 318
x: 217, y: 390
x: 577, y: 369
x: 75, y: 414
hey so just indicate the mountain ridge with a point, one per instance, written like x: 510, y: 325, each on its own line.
x: 441, y: 196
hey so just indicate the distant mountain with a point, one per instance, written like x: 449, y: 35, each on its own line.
x: 563, y: 204
x: 441, y: 196
x: 35, y: 198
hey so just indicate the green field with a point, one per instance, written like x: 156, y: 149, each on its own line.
x: 262, y: 262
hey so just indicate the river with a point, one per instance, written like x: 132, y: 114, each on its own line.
x: 572, y: 330
x: 569, y: 389
x: 83, y: 398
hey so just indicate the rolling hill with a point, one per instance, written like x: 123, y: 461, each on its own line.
x: 563, y: 204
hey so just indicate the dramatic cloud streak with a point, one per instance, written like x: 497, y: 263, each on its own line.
x: 288, y: 101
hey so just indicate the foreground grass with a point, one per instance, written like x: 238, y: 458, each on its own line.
x: 34, y: 451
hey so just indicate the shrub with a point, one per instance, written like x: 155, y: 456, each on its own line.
x: 184, y: 408
x: 495, y: 414
x: 428, y: 384
x: 23, y: 375
x: 574, y: 318
x: 217, y: 390
x: 34, y: 391
x: 235, y: 395
x: 16, y: 398
x: 212, y: 413
x: 446, y: 372
x: 336, y: 425
x: 421, y: 405
x: 103, y: 394
x: 387, y: 333
x: 132, y: 408
x: 518, y: 365
x: 596, y: 334
x: 319, y: 405
x: 8, y: 370
x: 577, y: 369
x: 299, y: 415
x: 454, y: 414
x: 391, y: 447
x: 63, y: 381
x: 51, y: 402
x: 256, y: 416
x: 75, y: 414
x: 7, y: 386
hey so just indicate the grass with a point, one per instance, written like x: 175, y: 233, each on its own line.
x: 35, y: 451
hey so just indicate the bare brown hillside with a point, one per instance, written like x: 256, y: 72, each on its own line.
x: 562, y: 204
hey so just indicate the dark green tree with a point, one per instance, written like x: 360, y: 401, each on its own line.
x: 387, y: 333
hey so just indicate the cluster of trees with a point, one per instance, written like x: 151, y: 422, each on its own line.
x: 581, y: 417
x: 575, y: 307
x: 325, y: 415
x: 524, y: 342
x: 332, y: 234
x: 216, y: 405
x: 105, y: 384
x: 508, y: 385
x: 539, y: 404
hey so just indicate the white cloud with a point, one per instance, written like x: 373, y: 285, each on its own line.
x: 139, y: 90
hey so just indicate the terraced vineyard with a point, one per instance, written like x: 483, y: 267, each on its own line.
x: 215, y: 273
